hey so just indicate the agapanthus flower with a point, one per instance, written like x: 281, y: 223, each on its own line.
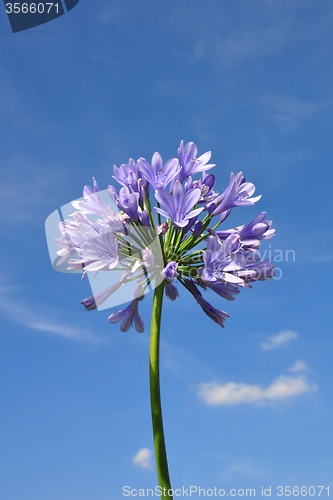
x: 257, y: 229
x: 179, y: 207
x: 101, y: 250
x: 258, y: 271
x: 206, y: 185
x: 220, y: 260
x: 92, y: 202
x: 154, y: 251
x: 187, y: 247
x: 216, y: 315
x: 235, y: 195
x: 170, y: 271
x: 96, y: 300
x: 157, y: 174
x: 128, y: 316
x: 171, y: 291
x: 189, y: 163
x: 65, y: 243
x: 126, y: 174
x: 128, y: 202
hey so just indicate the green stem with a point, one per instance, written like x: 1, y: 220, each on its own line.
x: 155, y: 397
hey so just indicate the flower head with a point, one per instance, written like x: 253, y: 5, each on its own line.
x: 147, y: 250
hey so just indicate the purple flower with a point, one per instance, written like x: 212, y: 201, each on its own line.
x: 206, y: 185
x: 189, y: 162
x: 250, y: 235
x: 128, y: 202
x: 101, y: 251
x: 257, y: 229
x: 92, y: 202
x: 156, y: 174
x: 170, y: 271
x: 197, y: 229
x: 129, y: 315
x: 225, y: 290
x: 96, y: 300
x: 179, y: 206
x: 128, y: 238
x: 237, y: 194
x: 64, y: 243
x: 222, y: 259
x: 215, y: 314
x: 258, y: 271
x: 171, y: 291
x: 126, y: 174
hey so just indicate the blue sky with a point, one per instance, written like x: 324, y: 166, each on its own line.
x: 246, y: 406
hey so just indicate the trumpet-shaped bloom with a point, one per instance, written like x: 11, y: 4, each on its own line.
x: 92, y: 202
x: 258, y: 271
x: 216, y: 315
x: 257, y: 229
x: 100, y: 250
x: 157, y: 174
x: 170, y: 271
x: 96, y: 300
x: 171, y: 291
x: 189, y: 162
x: 129, y: 315
x: 178, y: 207
x: 220, y: 260
x: 126, y: 174
x: 128, y: 202
x: 237, y: 194
x: 224, y: 289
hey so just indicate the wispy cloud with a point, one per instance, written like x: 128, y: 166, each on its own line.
x: 298, y: 366
x: 143, y: 458
x: 282, y: 388
x: 243, y: 469
x: 290, y: 111
x: 278, y: 339
x: 107, y: 14
x: 324, y: 258
x: 27, y: 199
x: 248, y: 42
x: 44, y: 323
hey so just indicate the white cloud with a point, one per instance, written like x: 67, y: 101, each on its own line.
x: 282, y: 388
x: 114, y: 14
x: 299, y: 366
x: 324, y: 258
x: 246, y: 43
x: 278, y: 339
x: 243, y: 469
x: 143, y: 458
x: 290, y: 111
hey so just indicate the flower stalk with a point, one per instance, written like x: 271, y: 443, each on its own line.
x: 155, y: 396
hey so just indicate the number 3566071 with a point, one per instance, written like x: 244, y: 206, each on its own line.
x: 33, y: 8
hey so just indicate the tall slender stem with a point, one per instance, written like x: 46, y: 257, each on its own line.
x: 155, y: 397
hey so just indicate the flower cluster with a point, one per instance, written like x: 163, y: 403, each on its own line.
x: 150, y: 250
